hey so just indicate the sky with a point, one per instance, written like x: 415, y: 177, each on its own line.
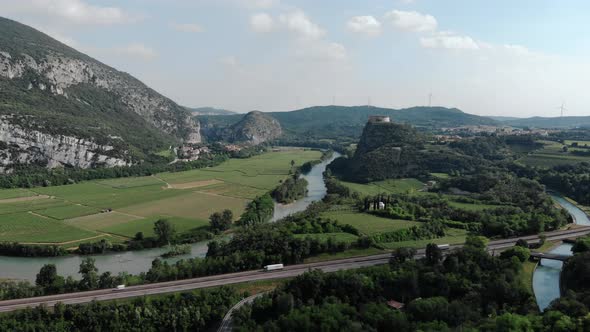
x: 502, y: 57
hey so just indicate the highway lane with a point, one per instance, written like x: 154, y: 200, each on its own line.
x: 239, y: 277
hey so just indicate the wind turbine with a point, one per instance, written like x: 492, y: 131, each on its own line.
x: 562, y: 108
x: 430, y: 99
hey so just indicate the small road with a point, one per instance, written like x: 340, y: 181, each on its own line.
x: 226, y: 323
x: 240, y: 277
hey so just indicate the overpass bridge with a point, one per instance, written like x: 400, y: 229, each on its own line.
x: 557, y: 257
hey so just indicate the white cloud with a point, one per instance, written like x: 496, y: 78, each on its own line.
x: 187, y: 27
x: 136, y: 50
x: 71, y: 11
x: 411, y: 21
x: 298, y: 23
x: 449, y: 40
x: 322, y: 51
x: 517, y: 49
x: 261, y: 22
x: 367, y: 25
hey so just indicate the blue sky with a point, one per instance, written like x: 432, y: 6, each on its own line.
x: 511, y: 58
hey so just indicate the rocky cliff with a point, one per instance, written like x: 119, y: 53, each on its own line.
x: 254, y: 128
x: 68, y: 94
x: 19, y: 146
x: 385, y: 150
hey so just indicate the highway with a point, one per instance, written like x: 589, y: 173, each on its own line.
x: 239, y: 277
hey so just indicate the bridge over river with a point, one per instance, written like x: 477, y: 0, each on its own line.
x: 549, y: 255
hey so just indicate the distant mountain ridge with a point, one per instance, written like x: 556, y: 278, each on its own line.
x: 330, y: 121
x: 209, y: 111
x: 550, y: 122
x: 91, y: 113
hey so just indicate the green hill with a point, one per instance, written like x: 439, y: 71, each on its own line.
x: 61, y: 107
x: 335, y: 121
x: 549, y: 123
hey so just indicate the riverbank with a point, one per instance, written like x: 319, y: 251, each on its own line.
x: 547, y: 274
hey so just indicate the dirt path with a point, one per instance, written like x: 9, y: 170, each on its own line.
x: 68, y: 242
x: 23, y: 199
x: 168, y: 186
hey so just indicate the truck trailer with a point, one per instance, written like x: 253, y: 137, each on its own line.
x: 273, y: 267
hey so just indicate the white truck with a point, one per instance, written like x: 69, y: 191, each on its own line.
x: 273, y: 267
x: 120, y: 287
x: 444, y: 246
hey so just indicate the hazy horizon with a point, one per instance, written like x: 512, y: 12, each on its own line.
x: 505, y: 59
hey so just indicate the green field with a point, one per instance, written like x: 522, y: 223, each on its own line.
x: 15, y: 193
x: 472, y: 207
x: 580, y: 143
x: 339, y: 237
x: 130, y: 228
x: 367, y: 223
x: 26, y: 227
x: 79, y: 211
x: 440, y: 175
x: 454, y: 236
x: 550, y: 155
x: 393, y: 186
x: 68, y: 211
x: 245, y: 178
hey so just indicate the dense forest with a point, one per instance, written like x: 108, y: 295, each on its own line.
x: 191, y: 311
x: 466, y: 290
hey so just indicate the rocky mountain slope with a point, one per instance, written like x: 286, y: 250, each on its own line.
x: 253, y: 128
x: 91, y: 113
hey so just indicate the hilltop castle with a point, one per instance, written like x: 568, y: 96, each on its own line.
x: 379, y: 119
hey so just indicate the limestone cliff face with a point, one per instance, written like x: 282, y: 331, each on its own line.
x: 254, y: 128
x: 20, y: 146
x: 57, y: 73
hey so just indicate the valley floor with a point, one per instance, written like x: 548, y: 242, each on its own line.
x: 116, y: 209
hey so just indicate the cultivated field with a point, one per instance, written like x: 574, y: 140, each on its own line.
x: 552, y: 154
x: 123, y: 207
x: 386, y: 186
x: 368, y: 223
x: 338, y: 237
x: 472, y: 207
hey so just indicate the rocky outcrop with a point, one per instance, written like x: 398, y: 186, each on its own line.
x: 20, y: 146
x: 385, y: 150
x: 254, y: 128
x: 57, y: 73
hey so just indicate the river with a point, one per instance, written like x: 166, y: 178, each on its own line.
x: 135, y: 262
x: 316, y: 190
x: 547, y: 274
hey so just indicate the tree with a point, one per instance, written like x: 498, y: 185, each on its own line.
x: 89, y: 273
x: 49, y: 280
x: 433, y: 254
x: 139, y: 236
x: 402, y: 254
x: 165, y: 231
x: 221, y: 221
x: 292, y: 163
x: 228, y: 216
x: 520, y: 252
x: 46, y: 276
